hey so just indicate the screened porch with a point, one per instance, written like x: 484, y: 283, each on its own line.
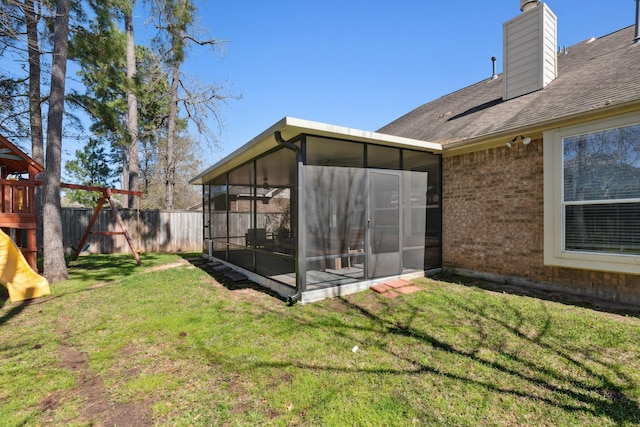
x: 330, y: 213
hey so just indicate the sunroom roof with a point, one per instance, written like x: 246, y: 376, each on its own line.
x: 291, y: 127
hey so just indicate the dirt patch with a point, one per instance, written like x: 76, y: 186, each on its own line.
x: 95, y: 403
x: 98, y: 285
x: 122, y: 366
x: 51, y: 402
x: 72, y: 359
x: 180, y: 263
x: 96, y: 407
x: 134, y: 414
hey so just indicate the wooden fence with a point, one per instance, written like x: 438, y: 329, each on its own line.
x: 150, y: 230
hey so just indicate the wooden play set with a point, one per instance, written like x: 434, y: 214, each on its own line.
x: 18, y: 220
x: 18, y: 213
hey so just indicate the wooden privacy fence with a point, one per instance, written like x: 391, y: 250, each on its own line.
x: 150, y: 230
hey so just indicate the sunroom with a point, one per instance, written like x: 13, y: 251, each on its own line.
x: 313, y: 210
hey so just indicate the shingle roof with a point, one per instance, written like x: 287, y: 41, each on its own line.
x: 14, y: 159
x: 594, y: 74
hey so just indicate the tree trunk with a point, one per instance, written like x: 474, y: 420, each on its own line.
x: 132, y: 106
x: 125, y: 168
x: 35, y: 110
x: 35, y: 107
x: 55, y: 267
x: 170, y: 181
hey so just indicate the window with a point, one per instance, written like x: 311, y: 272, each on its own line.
x: 592, y: 195
x: 602, y: 191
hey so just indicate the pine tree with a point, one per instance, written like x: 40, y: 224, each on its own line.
x: 90, y: 167
x: 55, y: 267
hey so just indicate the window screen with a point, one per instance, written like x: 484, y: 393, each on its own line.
x: 601, y: 191
x: 332, y: 152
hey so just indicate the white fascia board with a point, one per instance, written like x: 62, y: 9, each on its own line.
x: 299, y: 126
x: 291, y: 127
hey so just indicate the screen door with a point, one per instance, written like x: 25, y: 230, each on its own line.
x: 384, y: 224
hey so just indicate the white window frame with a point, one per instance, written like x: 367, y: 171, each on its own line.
x: 554, y: 252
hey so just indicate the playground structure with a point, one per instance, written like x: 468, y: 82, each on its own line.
x: 18, y: 222
x: 16, y: 274
x: 106, y: 196
x: 18, y: 204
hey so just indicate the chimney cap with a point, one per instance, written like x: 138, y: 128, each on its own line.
x: 528, y: 4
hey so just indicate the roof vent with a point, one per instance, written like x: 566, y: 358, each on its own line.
x: 530, y: 50
x: 495, y: 74
x: 528, y: 4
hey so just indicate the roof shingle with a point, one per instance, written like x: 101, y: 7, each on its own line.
x: 594, y: 74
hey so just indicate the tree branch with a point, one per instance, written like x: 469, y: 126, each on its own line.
x: 203, y: 42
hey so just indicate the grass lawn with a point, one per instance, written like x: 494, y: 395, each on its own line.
x: 167, y: 344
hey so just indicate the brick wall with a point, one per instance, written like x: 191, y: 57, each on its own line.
x: 492, y: 223
x: 492, y: 211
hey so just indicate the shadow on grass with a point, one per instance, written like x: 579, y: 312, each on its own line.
x: 96, y: 270
x: 547, y: 295
x: 106, y: 267
x: 4, y: 295
x: 203, y: 264
x: 575, y: 381
x: 611, y: 400
x: 13, y: 311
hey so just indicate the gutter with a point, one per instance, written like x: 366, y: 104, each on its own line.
x: 636, y: 38
x: 498, y: 139
x: 300, y: 284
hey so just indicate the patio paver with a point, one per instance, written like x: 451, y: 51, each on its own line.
x: 380, y: 288
x: 395, y: 288
x: 399, y: 283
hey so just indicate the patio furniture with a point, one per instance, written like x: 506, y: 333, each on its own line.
x: 355, y: 243
x: 257, y: 237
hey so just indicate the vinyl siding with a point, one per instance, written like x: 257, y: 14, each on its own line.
x: 529, y: 52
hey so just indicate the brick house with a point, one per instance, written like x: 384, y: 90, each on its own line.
x: 529, y: 177
x: 510, y: 207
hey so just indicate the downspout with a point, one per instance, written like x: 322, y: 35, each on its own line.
x: 299, y: 281
x: 636, y: 37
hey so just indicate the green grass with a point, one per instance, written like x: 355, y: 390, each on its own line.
x: 182, y: 349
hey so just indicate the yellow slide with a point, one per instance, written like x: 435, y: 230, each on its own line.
x: 16, y: 274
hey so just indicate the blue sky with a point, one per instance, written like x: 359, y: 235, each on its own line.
x: 360, y: 63
x: 354, y: 63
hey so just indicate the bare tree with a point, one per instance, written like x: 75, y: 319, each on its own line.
x: 32, y: 17
x: 154, y: 169
x: 170, y: 175
x: 174, y: 20
x: 20, y: 35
